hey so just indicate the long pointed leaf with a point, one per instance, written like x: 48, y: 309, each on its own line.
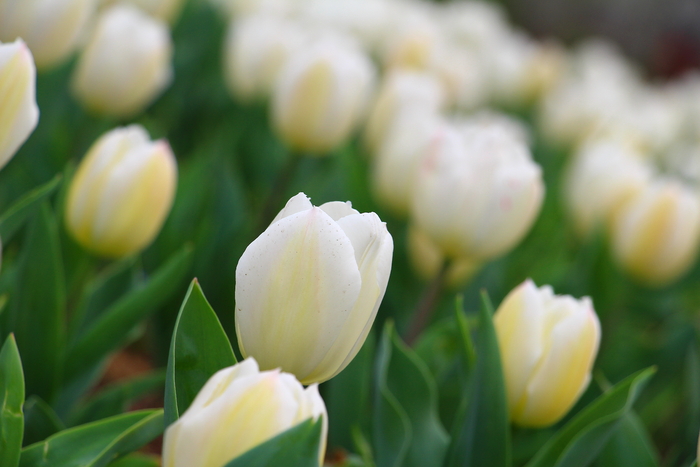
x: 481, y: 435
x: 11, y: 400
x: 13, y: 218
x: 199, y: 348
x: 95, y: 444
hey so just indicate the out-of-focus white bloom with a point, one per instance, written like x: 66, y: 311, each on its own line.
x: 427, y: 259
x: 682, y: 161
x: 19, y: 113
x: 399, y: 156
x: 166, y: 10
x: 685, y: 94
x: 463, y: 75
x: 496, y: 123
x: 126, y: 63
x: 321, y: 94
x: 473, y: 24
x: 121, y: 193
x: 51, y: 28
x: 548, y: 344
x: 257, y: 47
x: 367, y: 20
x: 655, y: 235
x: 309, y: 287
x: 477, y: 192
x: 598, y: 91
x: 403, y: 91
x: 239, y: 408
x: 412, y: 38
x: 240, y: 8
x: 602, y: 176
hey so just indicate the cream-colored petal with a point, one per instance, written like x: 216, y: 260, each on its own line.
x: 296, y: 286
x: 297, y: 203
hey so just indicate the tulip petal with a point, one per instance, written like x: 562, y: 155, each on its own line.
x: 373, y: 247
x: 337, y: 209
x: 297, y: 203
x: 296, y: 286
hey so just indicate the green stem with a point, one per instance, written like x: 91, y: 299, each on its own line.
x: 426, y: 307
x: 282, y: 183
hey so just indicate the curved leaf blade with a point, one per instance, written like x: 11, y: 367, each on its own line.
x: 95, y: 444
x: 580, y: 441
x: 199, y: 348
x: 481, y: 434
x: 12, y: 398
x: 109, y: 332
x: 17, y: 214
x: 297, y: 447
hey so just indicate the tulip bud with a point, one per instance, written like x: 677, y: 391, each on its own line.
x: 166, y: 10
x: 121, y: 192
x: 396, y: 164
x: 126, y: 63
x: 477, y: 191
x: 412, y: 38
x: 655, y: 235
x: 427, y: 259
x: 548, y: 344
x: 402, y: 91
x: 321, y: 94
x: 308, y: 288
x: 257, y: 48
x: 19, y: 113
x: 236, y: 410
x: 51, y: 28
x: 603, y: 175
x: 463, y: 75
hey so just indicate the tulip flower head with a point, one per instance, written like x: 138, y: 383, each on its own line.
x: 126, y: 63
x: 477, y: 191
x: 51, y: 28
x: 121, y: 192
x: 548, y: 344
x: 321, y: 94
x: 257, y: 47
x: 239, y: 408
x: 309, y: 287
x: 19, y: 113
x: 656, y: 234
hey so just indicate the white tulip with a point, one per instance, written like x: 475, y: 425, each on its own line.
x: 602, y: 176
x: 121, y: 193
x: 257, y: 47
x: 166, y: 10
x: 309, y: 287
x: 126, y: 63
x: 19, y: 113
x: 398, y: 159
x: 656, y: 234
x: 402, y: 91
x: 239, y: 408
x: 548, y: 344
x: 321, y: 94
x: 51, y: 28
x: 477, y: 192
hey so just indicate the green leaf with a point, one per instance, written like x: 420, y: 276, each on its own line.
x: 12, y: 219
x: 481, y: 433
x: 297, y: 447
x: 100, y: 293
x: 630, y: 446
x: 37, y: 309
x: 116, y: 398
x: 12, y: 390
x: 347, y: 397
x: 580, y: 441
x: 137, y: 460
x: 40, y: 421
x: 199, y: 348
x: 112, y: 328
x: 407, y: 407
x: 95, y: 444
